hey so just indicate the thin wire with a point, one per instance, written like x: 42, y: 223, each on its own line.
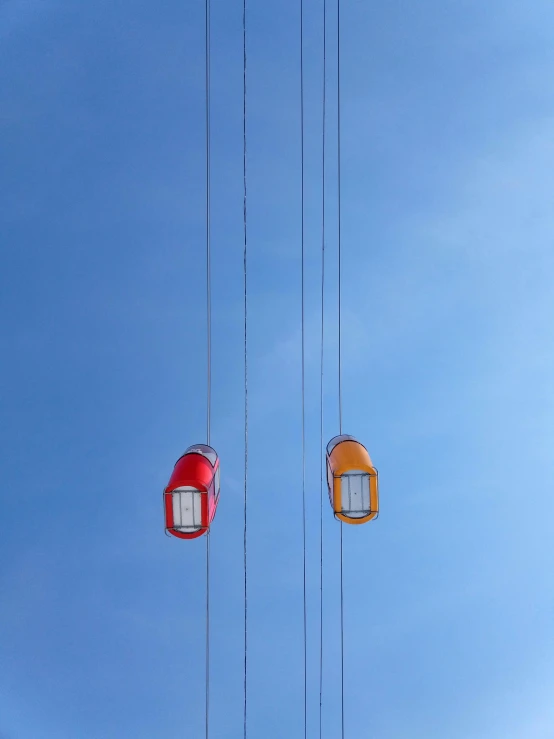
x: 207, y: 634
x: 321, y: 366
x: 303, y: 366
x: 245, y: 373
x: 340, y: 361
x: 208, y: 224
x: 339, y: 210
x: 341, y: 637
x: 209, y: 347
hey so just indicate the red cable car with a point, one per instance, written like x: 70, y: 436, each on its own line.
x: 192, y: 494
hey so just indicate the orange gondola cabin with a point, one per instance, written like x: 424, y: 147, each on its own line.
x: 352, y: 481
x: 192, y: 494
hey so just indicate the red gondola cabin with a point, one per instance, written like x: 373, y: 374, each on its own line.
x: 192, y: 494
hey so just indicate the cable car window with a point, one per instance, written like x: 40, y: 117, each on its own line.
x: 205, y: 451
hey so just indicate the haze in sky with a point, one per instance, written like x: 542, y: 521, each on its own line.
x: 448, y: 367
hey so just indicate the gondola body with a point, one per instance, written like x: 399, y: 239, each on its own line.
x: 192, y: 494
x: 352, y: 481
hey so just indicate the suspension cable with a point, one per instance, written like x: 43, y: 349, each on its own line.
x: 340, y: 354
x: 245, y: 374
x: 208, y: 225
x: 303, y: 364
x: 321, y: 369
x: 209, y: 343
x: 341, y: 638
x: 339, y: 211
x: 207, y: 634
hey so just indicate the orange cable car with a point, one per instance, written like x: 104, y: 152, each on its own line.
x: 352, y: 481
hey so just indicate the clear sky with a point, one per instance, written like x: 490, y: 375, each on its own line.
x: 448, y: 306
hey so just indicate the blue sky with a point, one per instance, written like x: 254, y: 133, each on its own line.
x: 448, y: 266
